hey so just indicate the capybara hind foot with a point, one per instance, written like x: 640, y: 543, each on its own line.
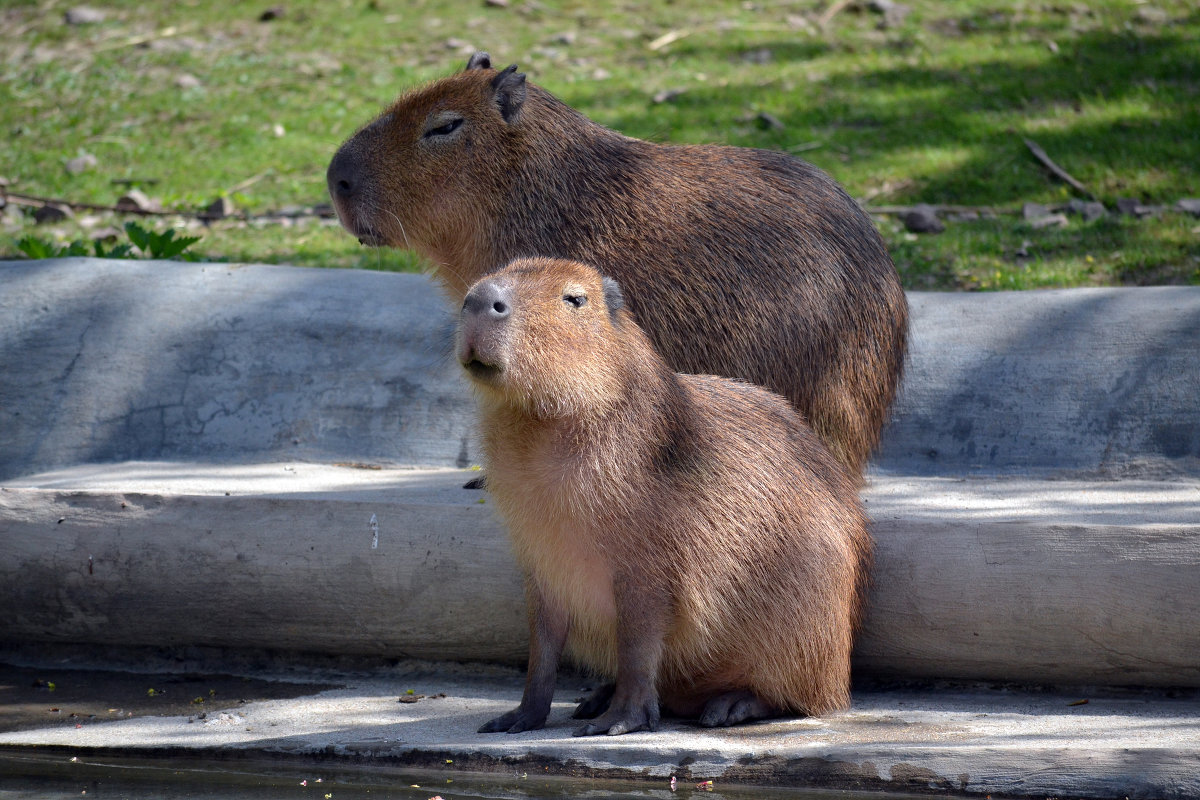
x: 514, y: 721
x: 734, y: 708
x: 597, y: 704
x: 478, y: 482
x: 637, y: 716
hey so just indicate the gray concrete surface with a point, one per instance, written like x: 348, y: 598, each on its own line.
x: 115, y: 360
x: 973, y: 741
x: 1096, y: 381
x: 188, y: 458
x: 131, y: 360
x: 999, y: 579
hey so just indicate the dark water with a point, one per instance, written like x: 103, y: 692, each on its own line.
x: 34, y: 775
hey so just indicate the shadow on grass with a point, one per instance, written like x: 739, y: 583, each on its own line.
x: 1118, y: 110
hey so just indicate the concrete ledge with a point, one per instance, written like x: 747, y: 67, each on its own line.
x: 104, y: 361
x: 169, y: 382
x: 970, y: 741
x: 1064, y: 381
x: 1075, y: 582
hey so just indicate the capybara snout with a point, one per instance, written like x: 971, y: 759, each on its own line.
x: 481, y: 338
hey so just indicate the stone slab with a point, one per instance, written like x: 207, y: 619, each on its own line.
x: 1086, y: 381
x: 968, y: 740
x: 106, y: 361
x: 1003, y: 579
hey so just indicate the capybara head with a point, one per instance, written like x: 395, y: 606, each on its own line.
x: 443, y: 144
x: 542, y: 334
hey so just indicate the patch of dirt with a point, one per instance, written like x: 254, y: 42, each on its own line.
x: 40, y: 698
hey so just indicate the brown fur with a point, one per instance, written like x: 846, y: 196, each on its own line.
x: 739, y: 262
x: 688, y: 535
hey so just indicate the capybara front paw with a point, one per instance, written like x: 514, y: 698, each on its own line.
x: 514, y: 721
x: 616, y: 721
x: 597, y: 704
x: 733, y: 708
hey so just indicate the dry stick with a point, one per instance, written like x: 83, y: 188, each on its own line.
x: 831, y: 12
x: 237, y: 187
x: 165, y: 33
x: 667, y: 38
x: 1058, y: 171
x: 38, y: 202
x: 945, y: 209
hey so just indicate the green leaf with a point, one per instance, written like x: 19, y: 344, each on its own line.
x: 138, y: 235
x: 34, y: 247
x: 168, y: 247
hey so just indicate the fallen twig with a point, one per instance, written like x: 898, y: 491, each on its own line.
x: 165, y: 33
x: 237, y: 187
x: 832, y: 12
x: 1058, y: 171
x: 800, y: 148
x: 942, y: 209
x: 203, y: 216
x: 667, y: 38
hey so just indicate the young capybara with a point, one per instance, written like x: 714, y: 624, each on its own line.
x: 738, y: 262
x: 688, y: 536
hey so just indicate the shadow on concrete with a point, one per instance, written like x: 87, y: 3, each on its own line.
x: 134, y: 361
x: 116, y: 361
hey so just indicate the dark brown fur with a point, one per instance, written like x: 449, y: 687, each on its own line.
x: 686, y: 535
x: 738, y: 262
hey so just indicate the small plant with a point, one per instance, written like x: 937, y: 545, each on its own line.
x: 151, y: 244
x: 34, y: 247
x: 158, y: 245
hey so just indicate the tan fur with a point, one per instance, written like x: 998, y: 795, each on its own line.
x: 738, y: 262
x: 620, y: 479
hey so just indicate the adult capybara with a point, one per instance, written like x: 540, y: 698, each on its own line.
x: 688, y: 536
x: 738, y: 262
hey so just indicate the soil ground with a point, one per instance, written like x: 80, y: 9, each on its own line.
x: 39, y: 698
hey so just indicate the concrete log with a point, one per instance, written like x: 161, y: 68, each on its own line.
x: 1006, y: 580
x: 1099, y: 382
x: 242, y: 373
x: 105, y: 361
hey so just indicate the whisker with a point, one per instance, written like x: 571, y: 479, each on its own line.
x: 403, y: 233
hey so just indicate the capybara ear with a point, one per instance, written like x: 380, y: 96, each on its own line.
x: 480, y: 60
x: 510, y: 91
x: 613, y: 297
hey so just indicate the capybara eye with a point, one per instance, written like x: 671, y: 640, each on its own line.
x: 444, y: 130
x: 576, y: 300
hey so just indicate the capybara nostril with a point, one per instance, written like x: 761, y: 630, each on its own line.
x: 490, y: 300
x: 341, y: 176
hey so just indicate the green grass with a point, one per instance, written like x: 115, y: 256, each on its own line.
x: 933, y: 110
